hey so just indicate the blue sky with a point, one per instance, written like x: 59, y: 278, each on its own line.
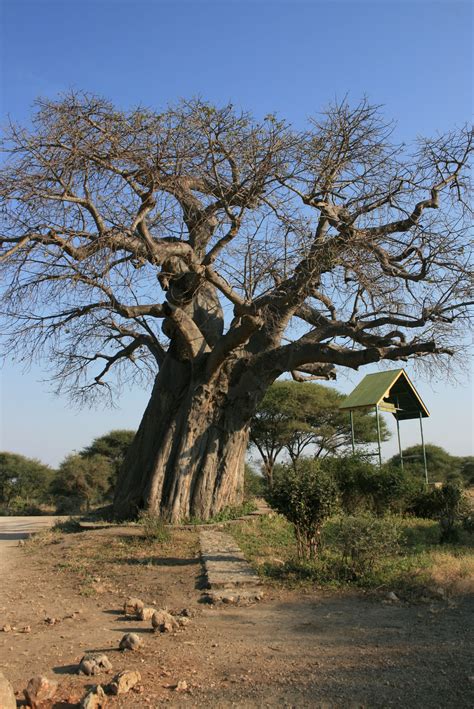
x: 286, y: 56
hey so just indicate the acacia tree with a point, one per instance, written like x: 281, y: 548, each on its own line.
x: 293, y: 416
x: 214, y: 253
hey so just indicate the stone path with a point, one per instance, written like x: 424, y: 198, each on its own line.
x: 230, y: 577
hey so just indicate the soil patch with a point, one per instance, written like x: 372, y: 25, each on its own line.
x: 296, y: 648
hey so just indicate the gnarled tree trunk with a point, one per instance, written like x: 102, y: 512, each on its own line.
x: 187, y: 459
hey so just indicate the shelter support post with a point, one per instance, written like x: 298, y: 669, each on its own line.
x: 399, y: 443
x: 378, y: 434
x: 351, y: 414
x: 424, y: 449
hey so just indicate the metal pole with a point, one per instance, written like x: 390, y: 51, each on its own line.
x: 399, y: 443
x: 352, y: 431
x: 424, y: 449
x: 378, y: 434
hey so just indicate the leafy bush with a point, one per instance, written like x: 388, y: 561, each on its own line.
x: 306, y: 495
x: 364, y: 486
x: 447, y: 504
x: 364, y: 542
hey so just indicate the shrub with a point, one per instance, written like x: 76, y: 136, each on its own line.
x: 364, y: 486
x: 364, y: 541
x: 154, y: 528
x: 306, y: 495
x: 447, y: 504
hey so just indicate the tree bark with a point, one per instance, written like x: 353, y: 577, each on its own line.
x: 187, y: 458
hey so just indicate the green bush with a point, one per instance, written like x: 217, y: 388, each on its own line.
x: 306, y: 495
x: 447, y: 504
x: 364, y: 542
x: 364, y: 486
x: 154, y: 528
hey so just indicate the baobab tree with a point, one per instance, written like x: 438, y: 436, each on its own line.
x: 214, y: 253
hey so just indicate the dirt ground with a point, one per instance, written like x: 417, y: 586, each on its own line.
x: 294, y: 649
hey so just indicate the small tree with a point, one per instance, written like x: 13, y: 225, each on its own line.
x: 294, y: 417
x: 306, y: 495
x: 113, y: 446
x: 81, y: 482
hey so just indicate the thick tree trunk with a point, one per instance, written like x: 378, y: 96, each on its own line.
x: 187, y: 459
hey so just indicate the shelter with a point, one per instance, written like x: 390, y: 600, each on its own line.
x: 393, y: 392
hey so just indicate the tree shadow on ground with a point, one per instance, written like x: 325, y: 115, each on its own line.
x: 157, y: 561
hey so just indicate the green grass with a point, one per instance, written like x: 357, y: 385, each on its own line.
x: 419, y: 567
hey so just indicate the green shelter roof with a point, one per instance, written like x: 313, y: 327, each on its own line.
x: 391, y: 391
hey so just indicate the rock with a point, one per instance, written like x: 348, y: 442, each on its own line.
x: 94, y: 663
x: 439, y: 592
x: 182, y: 686
x: 391, y: 596
x: 6, y: 628
x: 146, y: 613
x: 7, y: 695
x: 94, y: 699
x: 163, y: 622
x: 131, y: 641
x: 133, y: 606
x: 124, y: 682
x: 228, y: 599
x: 187, y: 613
x: 25, y: 629
x: 40, y: 690
x: 183, y: 621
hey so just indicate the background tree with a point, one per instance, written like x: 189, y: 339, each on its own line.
x: 293, y: 416
x: 81, y: 483
x: 113, y: 446
x: 442, y: 466
x: 23, y: 481
x: 214, y: 253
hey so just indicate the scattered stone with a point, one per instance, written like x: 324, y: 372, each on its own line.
x: 124, y: 682
x: 391, y: 596
x: 94, y: 699
x: 187, y: 613
x: 40, y: 690
x: 25, y: 629
x: 21, y: 542
x: 228, y: 598
x: 131, y: 641
x: 6, y: 628
x: 183, y: 621
x: 182, y: 686
x: 50, y: 621
x: 146, y: 613
x: 7, y: 695
x: 133, y: 606
x: 439, y: 592
x: 163, y: 622
x: 94, y: 663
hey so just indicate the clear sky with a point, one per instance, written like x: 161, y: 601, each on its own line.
x: 286, y: 56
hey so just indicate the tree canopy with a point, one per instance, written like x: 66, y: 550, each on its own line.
x: 293, y: 416
x: 442, y: 466
x: 23, y: 480
x: 222, y: 251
